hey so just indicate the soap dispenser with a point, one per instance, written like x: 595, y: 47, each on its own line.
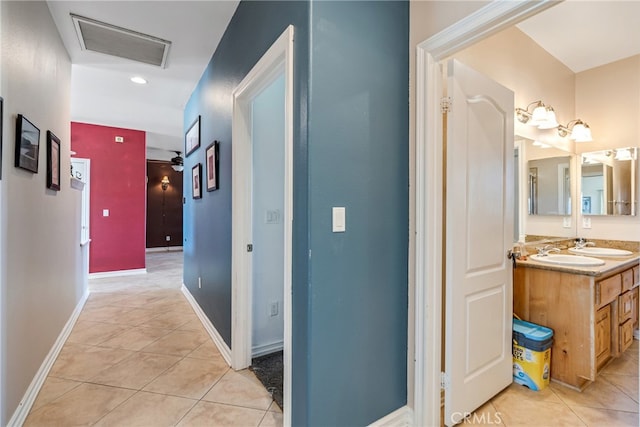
x: 523, y: 251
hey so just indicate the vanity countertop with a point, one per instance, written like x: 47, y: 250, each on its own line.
x: 611, y: 265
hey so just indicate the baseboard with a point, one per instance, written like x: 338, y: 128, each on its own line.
x: 117, y: 273
x: 261, y: 350
x: 21, y: 412
x: 223, y: 348
x: 165, y: 249
x: 401, y: 417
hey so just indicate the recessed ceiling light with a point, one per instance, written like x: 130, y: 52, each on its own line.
x: 139, y: 80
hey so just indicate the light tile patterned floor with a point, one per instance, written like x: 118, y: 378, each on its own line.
x: 611, y: 400
x: 139, y: 356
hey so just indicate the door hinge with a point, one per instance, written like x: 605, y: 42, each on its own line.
x: 445, y: 104
x: 249, y: 247
x: 444, y: 381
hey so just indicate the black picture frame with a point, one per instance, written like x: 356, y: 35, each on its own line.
x: 53, y: 161
x: 1, y: 131
x: 192, y: 138
x: 196, y: 181
x: 212, y: 163
x: 27, y: 144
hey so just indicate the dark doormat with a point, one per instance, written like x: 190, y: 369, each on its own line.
x: 269, y: 370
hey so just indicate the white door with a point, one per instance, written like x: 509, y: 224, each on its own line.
x: 82, y: 172
x: 479, y: 231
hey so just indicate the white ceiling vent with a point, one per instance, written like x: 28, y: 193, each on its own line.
x: 116, y: 41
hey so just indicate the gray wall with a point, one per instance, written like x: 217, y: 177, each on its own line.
x: 40, y: 281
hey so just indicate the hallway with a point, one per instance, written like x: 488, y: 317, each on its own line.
x: 139, y: 356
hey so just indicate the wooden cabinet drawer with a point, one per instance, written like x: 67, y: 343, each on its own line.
x: 627, y: 279
x: 602, y: 335
x: 626, y: 335
x: 608, y: 290
x: 625, y: 306
x: 636, y: 275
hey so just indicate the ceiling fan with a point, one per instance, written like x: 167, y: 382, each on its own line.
x: 177, y: 163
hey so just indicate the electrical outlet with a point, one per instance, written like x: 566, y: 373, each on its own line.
x: 168, y: 238
x: 199, y: 282
x: 273, y: 309
x: 586, y: 222
x: 566, y: 222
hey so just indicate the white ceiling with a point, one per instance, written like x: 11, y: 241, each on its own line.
x: 581, y: 34
x: 101, y: 91
x: 586, y: 34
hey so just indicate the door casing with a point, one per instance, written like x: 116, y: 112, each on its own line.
x: 276, y: 61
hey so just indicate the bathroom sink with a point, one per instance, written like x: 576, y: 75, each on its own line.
x: 595, y: 251
x: 575, y: 260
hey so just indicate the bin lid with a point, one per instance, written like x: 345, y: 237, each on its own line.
x: 532, y: 331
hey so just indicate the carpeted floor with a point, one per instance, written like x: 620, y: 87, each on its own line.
x: 269, y: 370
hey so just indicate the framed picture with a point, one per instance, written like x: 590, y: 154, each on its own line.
x: 212, y: 166
x: 27, y: 144
x: 53, y: 161
x: 192, y: 138
x: 196, y: 181
x: 1, y: 131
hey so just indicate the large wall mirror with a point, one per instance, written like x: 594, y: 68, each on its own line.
x: 548, y: 180
x: 609, y: 182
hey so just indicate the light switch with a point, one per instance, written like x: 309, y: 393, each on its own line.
x: 566, y: 222
x: 586, y: 222
x: 339, y: 220
x: 105, y: 212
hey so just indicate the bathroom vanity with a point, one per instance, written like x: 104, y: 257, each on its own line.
x: 593, y: 312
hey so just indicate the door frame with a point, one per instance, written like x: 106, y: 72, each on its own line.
x: 276, y: 61
x: 427, y: 335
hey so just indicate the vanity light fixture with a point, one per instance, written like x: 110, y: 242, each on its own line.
x: 580, y: 131
x: 540, y: 144
x: 623, y: 154
x: 542, y: 116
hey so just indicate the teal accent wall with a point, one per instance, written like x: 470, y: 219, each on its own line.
x: 351, y: 124
x: 358, y: 158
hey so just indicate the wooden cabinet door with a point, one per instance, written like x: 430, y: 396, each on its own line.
x: 626, y: 335
x: 603, y: 335
x: 635, y: 310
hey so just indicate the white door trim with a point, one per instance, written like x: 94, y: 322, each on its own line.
x: 276, y: 61
x: 490, y: 19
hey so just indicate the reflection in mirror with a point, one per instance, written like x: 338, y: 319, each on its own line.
x: 548, y: 180
x: 609, y: 182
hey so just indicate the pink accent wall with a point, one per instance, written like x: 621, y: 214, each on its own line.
x: 118, y: 183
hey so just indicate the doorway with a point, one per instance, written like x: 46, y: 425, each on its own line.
x: 80, y: 179
x: 430, y: 219
x: 262, y: 205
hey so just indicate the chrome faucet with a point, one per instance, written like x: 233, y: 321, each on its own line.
x: 582, y: 242
x: 544, y: 251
